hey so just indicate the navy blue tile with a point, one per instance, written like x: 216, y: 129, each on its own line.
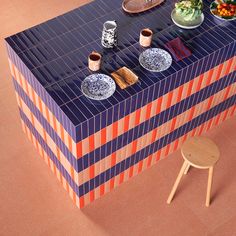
x: 54, y: 95
x: 100, y: 8
x: 85, y: 14
x: 73, y: 112
x: 39, y: 33
x: 18, y: 42
x: 56, y: 52
x: 69, y: 82
x: 13, y: 45
x: 25, y: 40
x: 43, y: 76
x: 68, y: 21
x: 73, y: 17
x: 56, y: 26
x: 47, y: 51
x: 29, y: 59
x: 87, y: 109
x: 44, y: 26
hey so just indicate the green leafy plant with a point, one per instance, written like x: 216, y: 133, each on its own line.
x: 189, y: 10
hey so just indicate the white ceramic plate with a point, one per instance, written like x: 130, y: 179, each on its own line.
x: 186, y: 24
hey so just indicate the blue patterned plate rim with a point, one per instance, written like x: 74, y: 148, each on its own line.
x: 155, y: 59
x: 98, y: 86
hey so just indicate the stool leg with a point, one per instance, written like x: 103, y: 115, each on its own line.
x: 186, y: 170
x: 177, y: 182
x: 210, y: 175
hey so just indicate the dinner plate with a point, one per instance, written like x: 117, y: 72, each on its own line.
x: 98, y: 86
x: 155, y: 59
x: 186, y: 24
x: 213, y: 10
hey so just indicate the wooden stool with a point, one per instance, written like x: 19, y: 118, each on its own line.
x: 199, y: 152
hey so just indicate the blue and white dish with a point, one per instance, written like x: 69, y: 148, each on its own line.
x: 98, y: 86
x: 155, y: 59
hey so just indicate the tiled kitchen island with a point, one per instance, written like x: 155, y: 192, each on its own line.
x: 94, y: 146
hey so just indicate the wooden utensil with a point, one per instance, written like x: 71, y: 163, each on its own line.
x: 124, y: 77
x: 137, y: 6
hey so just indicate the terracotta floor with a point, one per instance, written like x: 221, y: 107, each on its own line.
x: 32, y: 202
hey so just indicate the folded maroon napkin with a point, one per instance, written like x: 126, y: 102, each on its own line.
x: 178, y: 50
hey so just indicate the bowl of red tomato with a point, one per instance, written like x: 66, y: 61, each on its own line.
x: 225, y: 10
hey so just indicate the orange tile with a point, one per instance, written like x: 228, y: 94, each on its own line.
x: 113, y: 159
x: 103, y: 136
x: 102, y: 189
x: 148, y: 112
x: 170, y: 95
x: 121, y: 180
x: 158, y: 108
x: 126, y: 123
x: 190, y: 85
x: 114, y: 129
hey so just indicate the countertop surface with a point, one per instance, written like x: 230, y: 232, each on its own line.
x: 56, y: 51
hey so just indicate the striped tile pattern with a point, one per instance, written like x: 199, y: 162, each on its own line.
x: 93, y: 147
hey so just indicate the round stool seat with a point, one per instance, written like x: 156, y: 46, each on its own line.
x: 200, y: 152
